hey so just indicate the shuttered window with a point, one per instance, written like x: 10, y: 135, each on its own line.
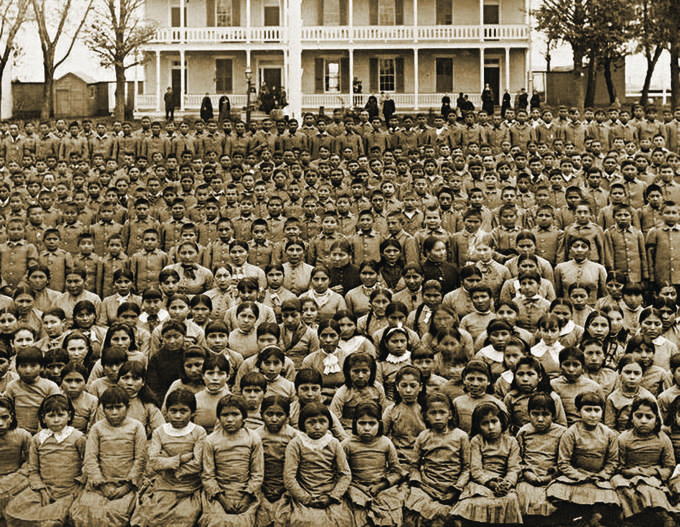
x: 444, y: 71
x: 223, y: 13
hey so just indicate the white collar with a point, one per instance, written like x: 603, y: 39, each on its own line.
x: 59, y: 437
x: 491, y: 353
x: 393, y: 359
x: 316, y: 444
x: 568, y: 328
x: 178, y: 432
x: 659, y: 341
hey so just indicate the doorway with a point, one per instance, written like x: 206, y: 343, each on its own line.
x: 272, y: 16
x: 492, y: 77
x: 271, y: 75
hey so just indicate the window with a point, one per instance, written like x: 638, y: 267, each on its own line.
x: 175, y: 19
x: 223, y: 13
x: 224, y: 76
x: 332, y: 83
x: 386, y: 12
x: 444, y: 71
x: 140, y: 87
x: 492, y: 13
x: 91, y: 92
x: 387, y: 75
x: 444, y: 12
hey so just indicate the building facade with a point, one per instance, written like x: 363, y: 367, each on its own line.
x: 322, y: 52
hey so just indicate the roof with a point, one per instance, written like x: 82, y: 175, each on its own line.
x: 83, y: 76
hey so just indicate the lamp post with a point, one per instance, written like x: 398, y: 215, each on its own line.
x: 249, y: 78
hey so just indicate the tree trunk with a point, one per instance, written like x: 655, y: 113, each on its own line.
x: 675, y: 71
x: 651, y: 65
x: 577, y: 80
x: 119, y: 111
x: 611, y: 89
x: 47, y: 110
x: 589, y: 100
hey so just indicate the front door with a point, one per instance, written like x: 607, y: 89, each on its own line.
x: 63, y: 101
x: 176, y: 86
x: 272, y: 77
x: 492, y: 77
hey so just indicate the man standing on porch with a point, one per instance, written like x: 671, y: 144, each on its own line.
x: 169, y: 99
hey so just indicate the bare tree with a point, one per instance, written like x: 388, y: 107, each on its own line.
x: 13, y: 14
x: 116, y: 33
x: 55, y: 16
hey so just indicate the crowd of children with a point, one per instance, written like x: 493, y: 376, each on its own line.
x: 343, y: 323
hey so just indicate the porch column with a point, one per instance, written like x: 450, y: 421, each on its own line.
x: 415, y: 78
x: 183, y: 88
x: 159, y: 86
x: 481, y: 70
x: 351, y: 75
x: 182, y: 22
x: 415, y: 21
x: 350, y: 20
x: 507, y: 68
x: 248, y: 21
x: 481, y: 20
x: 294, y: 89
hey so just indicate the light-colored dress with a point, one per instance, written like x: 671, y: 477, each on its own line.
x: 372, y: 463
x: 539, y: 457
x: 233, y: 464
x: 55, y: 464
x: 499, y: 460
x: 403, y: 423
x: 114, y: 454
x: 443, y: 464
x: 14, y: 451
x: 173, y: 497
x: 315, y: 468
x: 582, y: 454
x: 641, y: 493
x: 274, y: 447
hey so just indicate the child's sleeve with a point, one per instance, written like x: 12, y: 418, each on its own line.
x: 560, y: 414
x: 34, y: 478
x: 611, y: 461
x: 395, y: 472
x: 157, y: 461
x: 210, y: 484
x: 564, y: 455
x: 414, y: 474
x: 195, y: 465
x: 477, y: 470
x: 514, y: 463
x: 338, y: 401
x: 139, y: 464
x: 344, y: 473
x: 256, y: 466
x: 465, y: 456
x: 610, y: 413
x: 290, y: 470
x: 643, y: 256
x: 667, y: 458
x: 91, y: 464
x: 156, y: 418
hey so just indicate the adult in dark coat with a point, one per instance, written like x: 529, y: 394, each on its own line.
x: 206, y: 108
x: 435, y: 266
x: 372, y: 107
x: 224, y: 108
x: 169, y: 100
x: 535, y: 101
x: 388, y: 108
x: 522, y: 100
x: 487, y: 100
x: 446, y: 107
x: 506, y: 103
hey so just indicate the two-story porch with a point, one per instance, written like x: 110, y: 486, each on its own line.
x: 320, y: 51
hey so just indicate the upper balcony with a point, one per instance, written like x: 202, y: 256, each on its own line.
x: 343, y: 34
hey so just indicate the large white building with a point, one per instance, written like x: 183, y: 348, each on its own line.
x: 418, y: 50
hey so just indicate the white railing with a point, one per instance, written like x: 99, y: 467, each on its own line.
x: 327, y: 100
x: 146, y: 102
x: 403, y: 101
x: 218, y: 34
x: 342, y: 33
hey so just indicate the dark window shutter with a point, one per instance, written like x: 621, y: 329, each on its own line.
x: 318, y: 75
x: 373, y: 75
x: 344, y: 13
x: 344, y: 75
x: 210, y: 12
x: 373, y: 12
x: 399, y: 74
x: 174, y: 17
x: 320, y: 17
x: 236, y: 13
x: 399, y: 12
